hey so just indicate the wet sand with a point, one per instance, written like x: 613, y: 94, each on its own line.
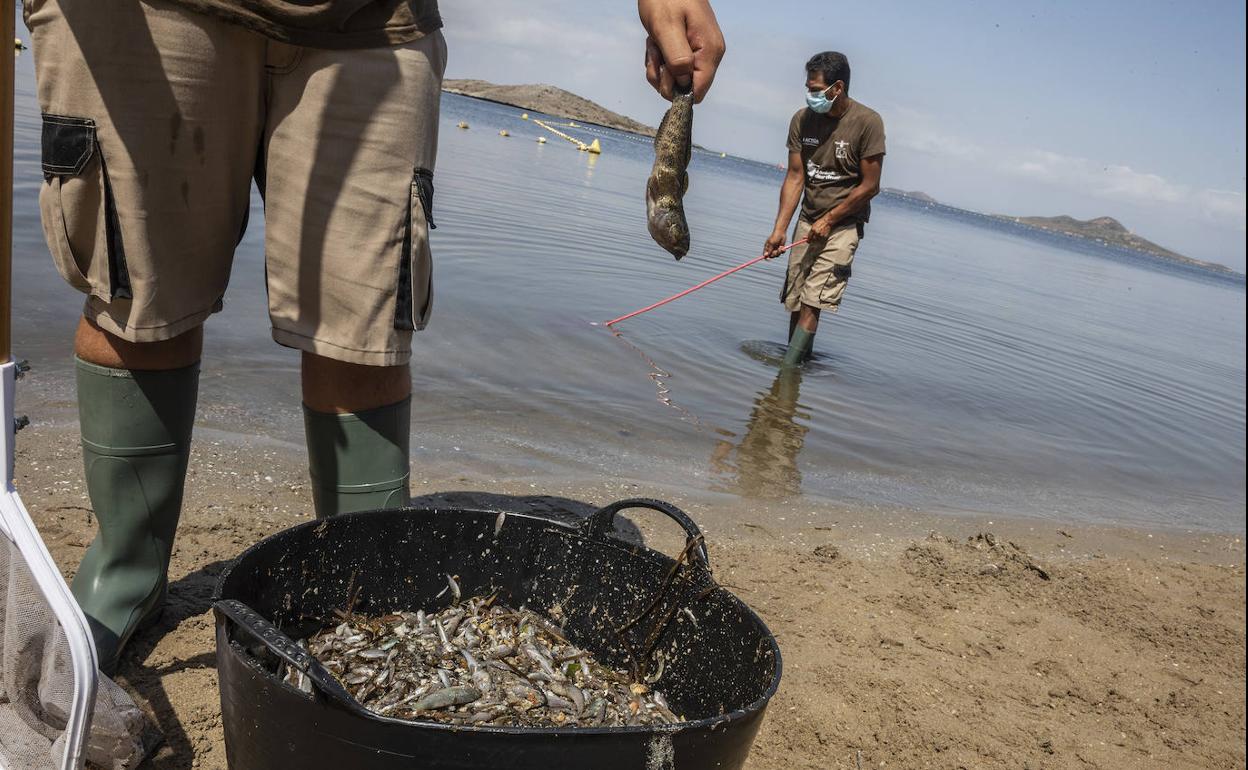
x: 910, y: 640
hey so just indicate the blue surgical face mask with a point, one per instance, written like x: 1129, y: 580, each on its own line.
x: 819, y: 102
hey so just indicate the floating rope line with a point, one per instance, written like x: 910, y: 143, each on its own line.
x: 594, y: 148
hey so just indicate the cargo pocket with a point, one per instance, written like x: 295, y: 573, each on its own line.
x: 415, y: 295
x: 839, y: 275
x: 78, y: 210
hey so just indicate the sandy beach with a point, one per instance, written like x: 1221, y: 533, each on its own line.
x: 909, y: 641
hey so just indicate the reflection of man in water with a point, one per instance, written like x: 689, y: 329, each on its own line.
x: 766, y: 462
x: 836, y: 154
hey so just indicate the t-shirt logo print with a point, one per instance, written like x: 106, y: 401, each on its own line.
x: 817, y: 173
x: 842, y: 149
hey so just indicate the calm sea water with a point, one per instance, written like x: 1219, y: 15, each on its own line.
x: 970, y: 369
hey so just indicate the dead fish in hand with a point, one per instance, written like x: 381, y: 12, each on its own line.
x: 669, y: 179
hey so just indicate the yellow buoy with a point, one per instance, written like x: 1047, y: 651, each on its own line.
x: 525, y: 116
x: 594, y: 147
x: 571, y: 124
x: 461, y: 124
x: 18, y: 45
x: 503, y: 133
x: 723, y: 155
x: 541, y: 140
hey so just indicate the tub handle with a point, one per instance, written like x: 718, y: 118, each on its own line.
x: 283, y: 647
x: 600, y: 522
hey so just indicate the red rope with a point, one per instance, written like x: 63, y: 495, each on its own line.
x: 707, y: 282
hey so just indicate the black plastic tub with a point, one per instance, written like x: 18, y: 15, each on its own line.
x: 722, y: 664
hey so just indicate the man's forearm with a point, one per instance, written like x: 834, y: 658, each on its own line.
x: 859, y: 197
x: 790, y: 195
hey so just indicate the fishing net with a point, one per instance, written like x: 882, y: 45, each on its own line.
x: 37, y: 685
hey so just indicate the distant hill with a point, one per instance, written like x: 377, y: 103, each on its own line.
x: 1104, y: 231
x: 547, y: 99
x: 913, y: 195
x: 1110, y: 231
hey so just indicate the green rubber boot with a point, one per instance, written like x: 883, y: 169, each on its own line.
x: 136, y: 438
x: 800, y: 346
x: 359, y: 461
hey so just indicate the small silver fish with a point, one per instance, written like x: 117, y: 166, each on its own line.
x: 555, y: 702
x: 517, y: 664
x: 501, y: 651
x: 447, y: 697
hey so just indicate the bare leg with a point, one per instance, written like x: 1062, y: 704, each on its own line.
x: 808, y: 317
x: 339, y: 387
x: 93, y: 344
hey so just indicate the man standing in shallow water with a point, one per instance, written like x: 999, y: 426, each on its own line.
x: 836, y: 154
x: 156, y: 117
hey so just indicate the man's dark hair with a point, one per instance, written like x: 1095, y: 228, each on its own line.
x: 832, y: 65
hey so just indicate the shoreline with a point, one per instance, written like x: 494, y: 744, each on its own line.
x: 792, y: 520
x: 982, y: 642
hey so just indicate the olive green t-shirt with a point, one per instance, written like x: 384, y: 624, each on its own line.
x: 832, y: 150
x: 329, y: 23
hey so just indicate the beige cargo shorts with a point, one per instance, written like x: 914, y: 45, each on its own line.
x: 819, y: 270
x: 155, y: 122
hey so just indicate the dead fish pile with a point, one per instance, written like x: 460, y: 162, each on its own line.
x: 479, y: 663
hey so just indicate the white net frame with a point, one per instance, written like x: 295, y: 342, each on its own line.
x: 32, y: 589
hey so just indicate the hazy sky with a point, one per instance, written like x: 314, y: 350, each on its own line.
x: 1133, y: 109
